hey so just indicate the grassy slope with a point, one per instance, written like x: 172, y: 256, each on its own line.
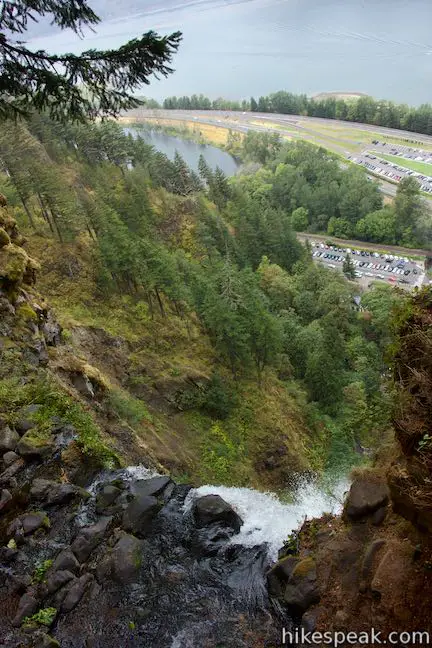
x: 261, y: 443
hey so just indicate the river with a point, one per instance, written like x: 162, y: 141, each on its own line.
x: 189, y: 150
x: 239, y: 48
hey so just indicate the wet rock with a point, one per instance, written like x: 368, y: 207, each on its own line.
x: 64, y: 435
x: 8, y: 439
x: 154, y: 486
x: 9, y: 458
x: 279, y: 575
x: 139, y: 513
x: 53, y: 492
x: 25, y: 417
x: 32, y: 446
x: 123, y: 564
x: 107, y: 496
x: 27, y: 606
x: 365, y: 497
x: 302, y: 589
x: 207, y: 541
x: 89, y: 538
x: 76, y: 592
x: 212, y: 508
x: 66, y: 561
x: 5, y: 497
x: 57, y: 580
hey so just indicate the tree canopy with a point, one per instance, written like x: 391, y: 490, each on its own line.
x: 69, y: 86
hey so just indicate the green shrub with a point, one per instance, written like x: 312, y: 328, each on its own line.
x: 45, y: 616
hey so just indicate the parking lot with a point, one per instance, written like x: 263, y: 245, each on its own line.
x: 388, y: 170
x: 370, y: 266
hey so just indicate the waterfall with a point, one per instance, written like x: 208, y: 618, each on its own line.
x: 269, y: 520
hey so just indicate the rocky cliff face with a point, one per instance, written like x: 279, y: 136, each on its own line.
x: 373, y: 566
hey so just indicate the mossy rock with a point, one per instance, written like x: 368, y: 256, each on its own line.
x: 4, y: 237
x: 35, y: 444
x: 26, y: 313
x: 13, y: 263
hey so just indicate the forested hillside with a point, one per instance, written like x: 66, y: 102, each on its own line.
x: 232, y: 356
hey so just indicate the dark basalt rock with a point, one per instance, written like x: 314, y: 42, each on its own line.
x: 212, y: 508
x: 302, y: 589
x: 66, y: 561
x: 53, y: 493
x: 139, y: 514
x: 27, y: 606
x: 89, y: 538
x: 56, y: 580
x: 76, y: 592
x: 365, y: 497
x: 154, y: 486
x: 8, y: 439
x: 124, y: 561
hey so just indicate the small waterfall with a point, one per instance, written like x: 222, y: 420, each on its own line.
x: 267, y: 519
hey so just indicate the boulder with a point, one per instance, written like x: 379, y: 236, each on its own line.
x: 124, y: 561
x: 8, y: 439
x: 76, y: 592
x: 33, y: 446
x: 154, y: 486
x: 89, y: 538
x: 25, y: 420
x: 31, y: 522
x: 139, y: 514
x: 366, y: 496
x: 27, y: 606
x: 9, y: 458
x: 66, y: 561
x: 302, y: 590
x: 57, y: 580
x: 212, y: 508
x: 279, y: 575
x: 53, y: 492
x: 27, y: 524
x: 44, y: 640
x: 107, y: 496
x: 7, y: 475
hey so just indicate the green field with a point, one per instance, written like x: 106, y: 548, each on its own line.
x: 420, y: 167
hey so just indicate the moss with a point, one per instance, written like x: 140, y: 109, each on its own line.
x: 45, y: 617
x: 13, y: 263
x: 304, y: 567
x: 128, y: 407
x: 55, y: 403
x: 40, y: 571
x: 26, y: 313
x: 4, y: 237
